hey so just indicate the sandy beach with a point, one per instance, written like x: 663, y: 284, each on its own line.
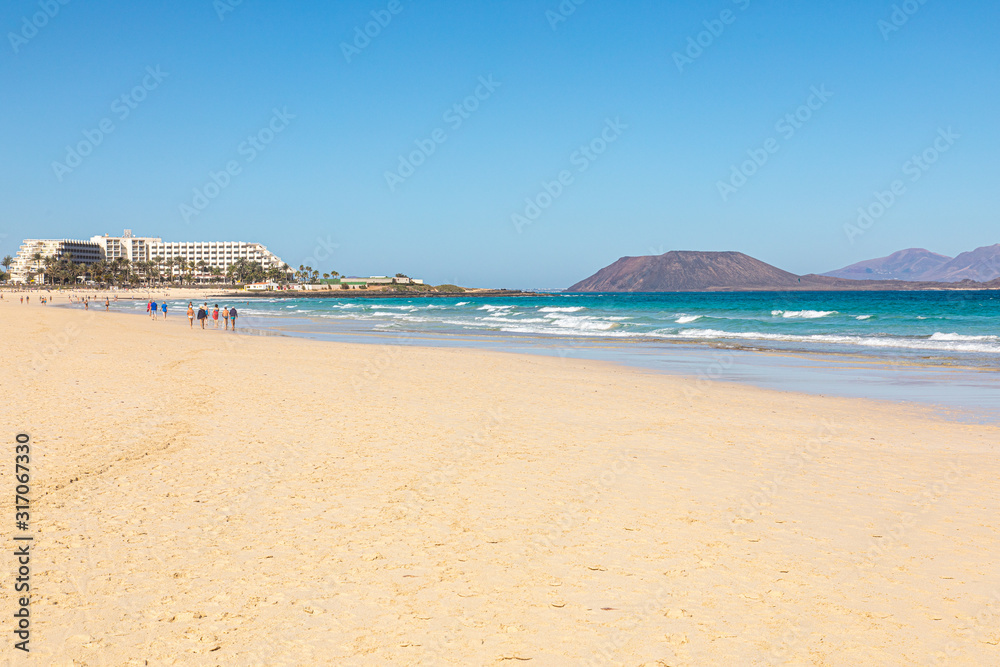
x: 205, y: 498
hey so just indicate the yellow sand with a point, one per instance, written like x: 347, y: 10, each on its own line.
x: 219, y: 499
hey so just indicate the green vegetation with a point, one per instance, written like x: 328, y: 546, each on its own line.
x: 410, y: 288
x: 450, y: 289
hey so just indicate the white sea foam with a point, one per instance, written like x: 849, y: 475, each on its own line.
x: 863, y: 317
x: 687, y: 319
x: 583, y: 323
x: 954, y: 337
x: 462, y: 303
x: 803, y: 314
x: 494, y: 319
x: 550, y: 309
x: 984, y: 344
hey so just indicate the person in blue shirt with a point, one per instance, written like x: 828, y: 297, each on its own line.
x: 153, y: 308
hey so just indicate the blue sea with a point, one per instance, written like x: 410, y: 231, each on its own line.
x: 897, y: 345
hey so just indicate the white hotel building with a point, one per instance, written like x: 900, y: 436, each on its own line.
x: 220, y: 254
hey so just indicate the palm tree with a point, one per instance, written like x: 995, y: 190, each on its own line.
x: 6, y: 262
x: 181, y: 267
x: 120, y: 269
x: 36, y: 260
x: 77, y: 270
x: 158, y: 262
x: 201, y: 266
x: 99, y: 271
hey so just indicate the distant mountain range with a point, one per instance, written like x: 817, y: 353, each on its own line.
x: 692, y: 271
x: 981, y: 264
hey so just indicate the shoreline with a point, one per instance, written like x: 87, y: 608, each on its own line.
x: 965, y: 392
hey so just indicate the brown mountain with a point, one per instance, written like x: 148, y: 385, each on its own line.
x: 981, y: 264
x: 679, y: 271
x: 909, y: 264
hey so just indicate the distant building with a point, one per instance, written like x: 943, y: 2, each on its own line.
x: 132, y: 248
x: 220, y: 254
x: 30, y: 258
x: 214, y: 254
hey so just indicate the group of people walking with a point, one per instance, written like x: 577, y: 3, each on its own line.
x: 229, y: 315
x: 152, y: 308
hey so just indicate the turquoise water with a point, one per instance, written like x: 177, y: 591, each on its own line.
x: 932, y: 348
x: 949, y: 327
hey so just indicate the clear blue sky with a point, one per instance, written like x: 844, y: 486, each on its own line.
x: 654, y: 189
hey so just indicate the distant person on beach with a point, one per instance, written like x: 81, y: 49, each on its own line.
x: 215, y: 316
x: 164, y: 309
x: 22, y: 300
x: 232, y: 316
x: 225, y: 316
x: 156, y: 307
x: 190, y: 314
x: 86, y: 304
x: 107, y: 304
x: 202, y: 316
x: 149, y: 307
